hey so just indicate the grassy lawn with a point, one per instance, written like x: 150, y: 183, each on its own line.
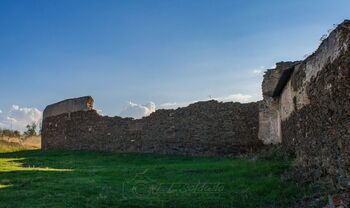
x: 31, y: 178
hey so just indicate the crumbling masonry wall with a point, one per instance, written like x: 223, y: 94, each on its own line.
x: 269, y: 110
x: 314, y: 111
x: 319, y: 131
x: 203, y: 128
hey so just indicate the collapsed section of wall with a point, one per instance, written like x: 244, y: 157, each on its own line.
x: 203, y: 128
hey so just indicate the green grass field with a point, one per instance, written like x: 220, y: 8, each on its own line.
x: 31, y: 178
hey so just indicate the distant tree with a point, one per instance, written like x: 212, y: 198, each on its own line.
x: 40, y: 128
x: 9, y: 133
x: 31, y: 130
x: 16, y: 133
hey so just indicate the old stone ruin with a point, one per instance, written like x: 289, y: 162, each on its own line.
x: 305, y: 109
x: 203, y: 128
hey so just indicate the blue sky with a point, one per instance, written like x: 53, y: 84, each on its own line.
x: 164, y: 51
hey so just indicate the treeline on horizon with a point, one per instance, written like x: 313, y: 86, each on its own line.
x: 31, y: 131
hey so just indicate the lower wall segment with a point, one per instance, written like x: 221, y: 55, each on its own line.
x: 319, y: 133
x: 203, y: 128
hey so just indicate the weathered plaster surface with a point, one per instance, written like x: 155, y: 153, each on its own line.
x: 69, y: 106
x: 269, y: 121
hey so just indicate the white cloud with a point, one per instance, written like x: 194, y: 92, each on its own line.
x: 262, y: 69
x: 19, y: 117
x: 168, y: 104
x: 100, y: 112
x: 259, y: 70
x: 235, y: 98
x: 242, y: 98
x: 173, y: 105
x: 137, y: 111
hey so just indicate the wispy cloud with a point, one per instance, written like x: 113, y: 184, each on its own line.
x: 262, y: 69
x: 259, y: 70
x: 235, y: 98
x: 242, y: 98
x: 174, y: 105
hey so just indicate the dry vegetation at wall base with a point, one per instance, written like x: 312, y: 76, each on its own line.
x: 20, y: 142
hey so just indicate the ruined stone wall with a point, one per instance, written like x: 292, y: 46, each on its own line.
x: 270, y: 112
x: 318, y: 127
x: 203, y: 128
x: 70, y: 105
x: 269, y: 121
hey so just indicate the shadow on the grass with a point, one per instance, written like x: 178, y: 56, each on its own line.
x: 98, y: 179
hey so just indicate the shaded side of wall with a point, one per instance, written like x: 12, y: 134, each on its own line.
x: 269, y: 121
x: 269, y: 111
x: 316, y: 111
x: 203, y: 128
